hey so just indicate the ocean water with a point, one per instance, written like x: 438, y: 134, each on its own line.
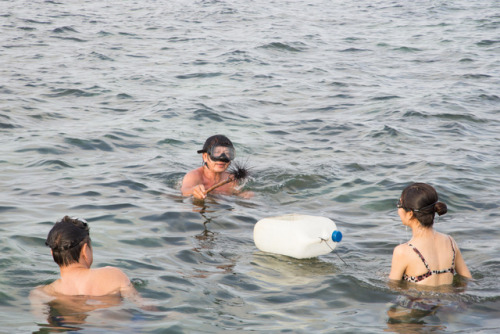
x: 335, y: 106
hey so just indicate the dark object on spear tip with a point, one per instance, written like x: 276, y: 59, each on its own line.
x: 237, y: 173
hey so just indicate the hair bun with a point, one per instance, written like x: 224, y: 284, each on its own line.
x: 440, y: 208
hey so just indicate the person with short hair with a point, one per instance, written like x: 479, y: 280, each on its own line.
x: 70, y: 245
x: 429, y: 258
x: 217, y: 154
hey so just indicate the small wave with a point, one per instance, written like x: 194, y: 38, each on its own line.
x: 7, y: 208
x: 47, y: 115
x: 144, y: 242
x: 92, y: 144
x: 88, y: 194
x: 476, y: 76
x: 140, y: 264
x: 74, y: 39
x: 60, y: 92
x: 487, y: 42
x: 56, y: 163
x: 23, y: 45
x: 384, y: 98
x: 104, y: 33
x: 339, y: 84
x: 101, y: 56
x: 407, y: 49
x: 202, y: 113
x: 28, y: 241
x: 132, y: 185
x: 37, y: 22
x: 494, y: 98
x: 283, y: 47
x: 386, y: 131
x: 171, y: 141
x: 414, y: 113
x: 27, y: 28
x: 199, y: 75
x: 104, y: 207
x: 42, y: 150
x: 176, y: 280
x: 63, y: 30
x: 462, y: 117
x: 173, y: 216
x: 278, y: 132
x: 7, y: 126
x: 305, y: 181
x: 446, y: 116
x: 332, y: 130
x: 354, y: 50
x: 5, y: 300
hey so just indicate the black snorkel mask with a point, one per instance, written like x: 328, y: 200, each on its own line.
x: 221, y: 153
x: 219, y: 148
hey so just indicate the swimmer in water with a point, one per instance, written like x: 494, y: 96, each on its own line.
x: 217, y: 154
x: 70, y: 244
x: 429, y: 258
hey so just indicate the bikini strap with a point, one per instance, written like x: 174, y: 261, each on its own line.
x: 453, y: 249
x: 420, y: 255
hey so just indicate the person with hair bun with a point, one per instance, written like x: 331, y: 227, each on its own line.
x: 70, y: 245
x: 429, y: 258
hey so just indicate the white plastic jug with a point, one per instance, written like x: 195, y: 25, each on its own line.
x: 296, y: 235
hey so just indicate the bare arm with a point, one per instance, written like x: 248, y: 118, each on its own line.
x: 192, y: 185
x: 39, y: 298
x: 128, y: 291
x: 460, y: 265
x: 399, y: 263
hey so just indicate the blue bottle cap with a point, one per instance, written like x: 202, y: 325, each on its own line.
x: 336, y: 236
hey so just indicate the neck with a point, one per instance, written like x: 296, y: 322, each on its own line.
x: 418, y: 231
x: 72, y: 268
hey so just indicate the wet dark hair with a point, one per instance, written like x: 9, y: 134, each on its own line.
x: 216, y: 140
x: 422, y: 199
x: 66, y: 239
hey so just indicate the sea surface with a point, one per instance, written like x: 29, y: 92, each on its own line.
x: 335, y: 106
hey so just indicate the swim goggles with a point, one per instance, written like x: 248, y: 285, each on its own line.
x: 400, y: 205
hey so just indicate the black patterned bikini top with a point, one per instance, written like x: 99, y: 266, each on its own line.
x: 429, y: 271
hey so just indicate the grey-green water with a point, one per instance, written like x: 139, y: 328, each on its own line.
x: 335, y: 105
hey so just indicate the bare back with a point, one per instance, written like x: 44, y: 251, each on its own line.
x: 438, y: 253
x: 91, y: 282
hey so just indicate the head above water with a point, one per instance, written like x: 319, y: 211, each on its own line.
x: 219, y: 148
x: 66, y: 239
x: 422, y: 199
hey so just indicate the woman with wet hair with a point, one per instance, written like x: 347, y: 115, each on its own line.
x: 70, y: 245
x: 429, y: 258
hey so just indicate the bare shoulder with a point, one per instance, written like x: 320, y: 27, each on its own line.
x: 39, y: 297
x: 121, y: 283
x: 195, y: 174
x: 112, y: 272
x: 112, y: 277
x: 193, y: 178
x: 42, y: 294
x: 401, y: 254
x: 445, y: 239
x: 399, y: 262
x: 401, y: 250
